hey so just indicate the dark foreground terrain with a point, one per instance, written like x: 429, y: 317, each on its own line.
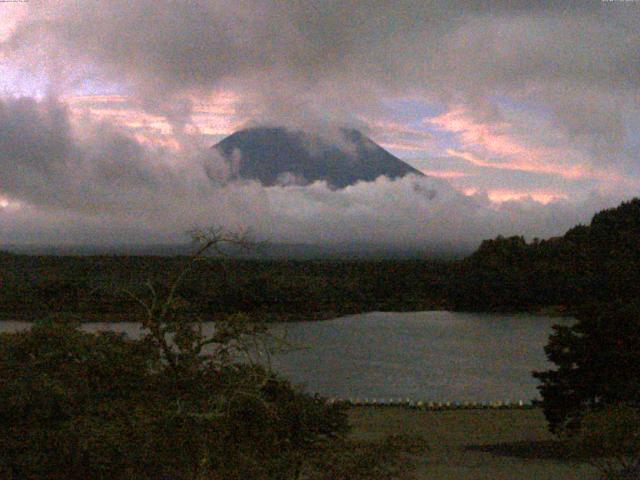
x: 475, y: 444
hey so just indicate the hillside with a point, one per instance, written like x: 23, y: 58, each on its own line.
x: 594, y: 263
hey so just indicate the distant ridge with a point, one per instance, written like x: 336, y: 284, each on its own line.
x: 263, y: 251
x: 589, y: 265
x: 279, y: 156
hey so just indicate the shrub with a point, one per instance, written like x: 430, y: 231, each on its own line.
x: 75, y: 405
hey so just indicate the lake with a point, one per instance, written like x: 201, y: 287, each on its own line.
x: 428, y: 356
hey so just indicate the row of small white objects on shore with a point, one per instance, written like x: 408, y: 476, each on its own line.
x: 426, y: 405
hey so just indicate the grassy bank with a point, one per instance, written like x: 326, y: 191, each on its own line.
x: 475, y: 444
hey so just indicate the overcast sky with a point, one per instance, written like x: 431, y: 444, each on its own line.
x: 524, y: 115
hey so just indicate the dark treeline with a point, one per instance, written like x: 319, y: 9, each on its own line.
x: 96, y: 287
x: 588, y: 265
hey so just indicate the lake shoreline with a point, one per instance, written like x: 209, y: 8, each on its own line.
x: 429, y: 356
x: 550, y: 311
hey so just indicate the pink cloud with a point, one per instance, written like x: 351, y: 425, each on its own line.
x: 525, y: 164
x: 501, y: 195
x: 12, y: 14
x: 540, y: 196
x: 215, y: 114
x: 491, y: 136
x: 7, y: 204
x: 494, y: 144
x: 444, y: 173
x: 397, y: 136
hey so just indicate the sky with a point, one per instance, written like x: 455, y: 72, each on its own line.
x: 523, y: 115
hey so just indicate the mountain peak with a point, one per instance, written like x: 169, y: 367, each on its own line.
x: 280, y: 156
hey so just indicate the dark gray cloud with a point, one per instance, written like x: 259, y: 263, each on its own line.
x: 44, y: 163
x: 340, y: 57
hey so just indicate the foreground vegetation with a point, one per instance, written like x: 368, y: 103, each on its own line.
x: 75, y: 405
x: 591, y: 398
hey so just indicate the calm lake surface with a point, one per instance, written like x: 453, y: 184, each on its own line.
x: 429, y: 356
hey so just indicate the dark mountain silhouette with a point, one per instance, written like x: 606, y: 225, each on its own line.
x: 281, y: 156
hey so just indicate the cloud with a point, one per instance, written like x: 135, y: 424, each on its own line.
x: 64, y: 181
x: 495, y: 144
x: 212, y: 117
x: 525, y: 99
x: 340, y: 57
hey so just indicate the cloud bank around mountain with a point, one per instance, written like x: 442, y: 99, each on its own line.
x: 84, y: 182
x: 109, y: 108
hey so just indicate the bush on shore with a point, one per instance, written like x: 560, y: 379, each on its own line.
x: 75, y: 405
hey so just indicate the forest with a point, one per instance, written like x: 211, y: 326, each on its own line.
x: 589, y: 264
x: 94, y: 286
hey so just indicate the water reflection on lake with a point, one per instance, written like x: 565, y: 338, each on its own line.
x: 435, y: 356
